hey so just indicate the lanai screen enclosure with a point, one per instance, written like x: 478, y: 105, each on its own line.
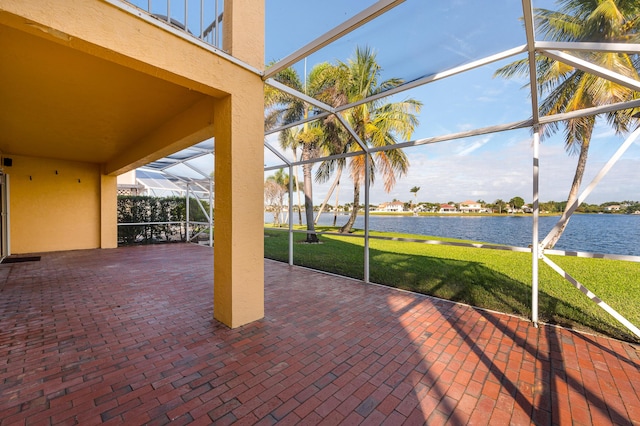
x: 445, y: 55
x: 474, y: 129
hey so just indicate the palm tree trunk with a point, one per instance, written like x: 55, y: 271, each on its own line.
x: 573, y: 193
x: 295, y: 178
x: 335, y: 209
x: 281, y: 208
x: 286, y: 215
x: 308, y: 196
x: 354, y: 210
x: 326, y: 199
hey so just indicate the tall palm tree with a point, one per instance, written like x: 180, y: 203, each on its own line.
x: 415, y: 190
x: 377, y: 123
x: 276, y: 186
x: 289, y: 140
x: 567, y: 89
x: 283, y: 108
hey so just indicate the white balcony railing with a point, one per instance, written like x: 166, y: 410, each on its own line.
x: 199, y: 18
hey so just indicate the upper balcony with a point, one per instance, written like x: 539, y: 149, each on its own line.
x: 198, y: 18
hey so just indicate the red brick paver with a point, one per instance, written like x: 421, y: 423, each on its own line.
x: 126, y: 336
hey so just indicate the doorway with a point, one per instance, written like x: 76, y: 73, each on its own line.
x: 4, y: 215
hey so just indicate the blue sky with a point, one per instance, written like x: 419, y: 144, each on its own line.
x: 413, y: 41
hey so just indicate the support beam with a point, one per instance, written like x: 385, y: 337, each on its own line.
x: 108, y: 212
x: 243, y: 31
x: 594, y: 69
x: 535, y: 237
x: 239, y: 240
x: 367, y: 189
x: 575, y: 46
x: 192, y: 126
x: 527, y: 11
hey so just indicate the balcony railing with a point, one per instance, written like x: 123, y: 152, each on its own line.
x: 199, y: 18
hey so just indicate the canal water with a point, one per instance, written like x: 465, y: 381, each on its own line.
x: 596, y: 233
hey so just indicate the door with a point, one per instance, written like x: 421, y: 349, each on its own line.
x: 4, y: 216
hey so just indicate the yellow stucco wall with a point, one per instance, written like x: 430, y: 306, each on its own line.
x: 108, y: 211
x: 76, y: 208
x: 49, y: 211
x: 239, y: 246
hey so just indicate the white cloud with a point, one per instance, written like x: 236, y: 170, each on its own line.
x: 498, y: 166
x: 506, y: 173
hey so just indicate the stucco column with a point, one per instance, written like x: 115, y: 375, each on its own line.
x: 243, y: 30
x: 108, y: 211
x: 238, y: 273
x: 238, y: 125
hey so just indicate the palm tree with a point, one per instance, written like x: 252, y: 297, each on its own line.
x: 275, y: 187
x: 569, y: 89
x: 283, y: 108
x: 516, y: 203
x: 289, y: 140
x: 376, y: 123
x: 415, y: 190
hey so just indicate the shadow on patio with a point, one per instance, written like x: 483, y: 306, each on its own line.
x: 127, y: 336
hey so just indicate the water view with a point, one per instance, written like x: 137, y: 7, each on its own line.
x: 596, y: 233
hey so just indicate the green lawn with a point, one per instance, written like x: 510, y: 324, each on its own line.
x: 494, y: 279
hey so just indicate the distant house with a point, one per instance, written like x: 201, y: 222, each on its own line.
x: 527, y: 209
x: 613, y: 208
x: 471, y: 207
x: 394, y: 206
x: 447, y: 208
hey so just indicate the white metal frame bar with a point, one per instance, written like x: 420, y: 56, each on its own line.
x: 603, y: 171
x: 187, y: 230
x: 290, y: 215
x: 211, y: 212
x: 590, y: 68
x: 315, y: 160
x: 297, y: 123
x: 341, y: 30
x: 437, y: 76
x: 592, y: 296
x: 529, y: 25
x: 352, y: 132
x: 197, y: 170
x: 293, y: 92
x: 277, y: 154
x: 590, y: 111
x: 470, y: 133
x: 588, y: 46
x: 535, y: 229
x: 367, y: 187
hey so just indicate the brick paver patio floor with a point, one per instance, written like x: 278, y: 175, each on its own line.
x: 126, y: 336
